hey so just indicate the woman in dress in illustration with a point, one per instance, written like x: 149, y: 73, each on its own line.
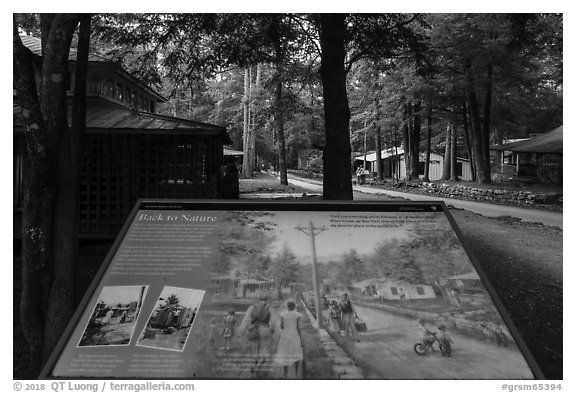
x: 289, y: 351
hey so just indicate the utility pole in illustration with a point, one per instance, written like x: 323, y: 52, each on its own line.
x: 312, y: 232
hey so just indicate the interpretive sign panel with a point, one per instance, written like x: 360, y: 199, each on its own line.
x: 282, y: 290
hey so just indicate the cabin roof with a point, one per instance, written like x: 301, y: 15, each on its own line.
x: 231, y: 152
x: 466, y: 276
x: 103, y: 116
x: 35, y: 46
x: 551, y: 142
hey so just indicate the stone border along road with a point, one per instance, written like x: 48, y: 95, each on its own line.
x: 342, y: 365
x: 486, y: 209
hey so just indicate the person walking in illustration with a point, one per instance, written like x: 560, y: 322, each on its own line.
x: 289, y: 351
x: 212, y: 329
x: 348, y: 317
x: 335, y: 317
x: 258, y: 331
x: 229, y: 326
x: 123, y: 317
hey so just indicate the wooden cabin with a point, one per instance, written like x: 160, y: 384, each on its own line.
x: 394, y: 164
x: 130, y: 151
x: 537, y: 159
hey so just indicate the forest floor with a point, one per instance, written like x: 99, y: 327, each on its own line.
x: 523, y: 262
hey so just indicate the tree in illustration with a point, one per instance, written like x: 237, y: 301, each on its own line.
x: 284, y: 269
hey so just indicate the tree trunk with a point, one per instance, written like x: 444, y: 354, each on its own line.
x: 447, y: 152
x: 379, y: 172
x: 337, y: 150
x: 415, y: 141
x: 278, y: 106
x: 486, y: 121
x: 245, y: 124
x: 38, y: 195
x: 428, y: 145
x: 45, y: 120
x: 467, y: 141
x: 247, y: 137
x: 397, y: 158
x: 406, y: 132
x: 476, y: 127
x: 454, y: 154
x: 66, y: 211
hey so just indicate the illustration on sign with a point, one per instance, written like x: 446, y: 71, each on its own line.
x: 293, y: 294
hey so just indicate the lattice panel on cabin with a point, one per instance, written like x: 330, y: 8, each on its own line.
x: 120, y: 168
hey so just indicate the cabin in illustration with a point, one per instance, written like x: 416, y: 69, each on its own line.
x: 130, y: 151
x: 389, y: 289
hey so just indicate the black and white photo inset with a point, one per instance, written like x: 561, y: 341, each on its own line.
x: 114, y: 317
x: 169, y: 325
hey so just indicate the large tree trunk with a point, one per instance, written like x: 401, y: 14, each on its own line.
x: 428, y: 145
x: 415, y: 141
x: 379, y: 172
x: 45, y: 120
x: 66, y: 212
x: 337, y: 151
x: 477, y: 139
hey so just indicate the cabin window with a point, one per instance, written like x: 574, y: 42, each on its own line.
x: 133, y: 98
x: 119, y: 92
x: 420, y: 290
x: 394, y: 291
x: 459, y: 169
x: 509, y: 158
x: 108, y: 90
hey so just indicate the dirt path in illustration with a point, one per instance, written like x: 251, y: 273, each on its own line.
x: 386, y: 350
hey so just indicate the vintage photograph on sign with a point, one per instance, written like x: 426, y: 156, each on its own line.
x: 169, y: 325
x: 114, y: 317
